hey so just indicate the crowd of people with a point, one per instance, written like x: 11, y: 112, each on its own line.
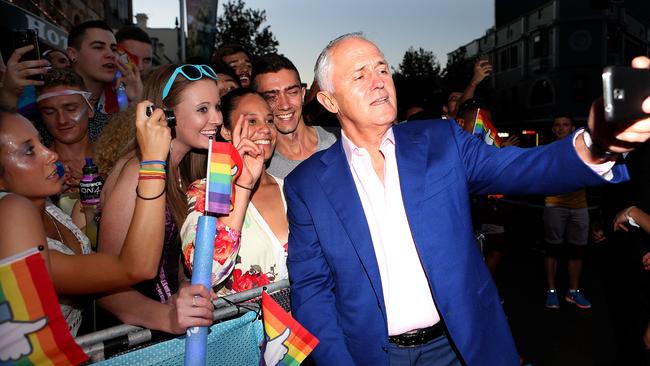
x: 375, y: 224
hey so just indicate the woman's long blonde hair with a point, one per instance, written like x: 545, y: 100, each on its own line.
x: 190, y: 168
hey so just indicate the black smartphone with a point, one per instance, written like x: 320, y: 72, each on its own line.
x: 624, y: 90
x: 26, y: 37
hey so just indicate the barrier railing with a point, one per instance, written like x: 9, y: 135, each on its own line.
x: 103, y: 344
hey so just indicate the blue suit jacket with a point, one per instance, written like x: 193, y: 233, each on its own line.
x: 336, y: 290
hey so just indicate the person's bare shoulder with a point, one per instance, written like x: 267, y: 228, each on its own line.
x: 21, y: 226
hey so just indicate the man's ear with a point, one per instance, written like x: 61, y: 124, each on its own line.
x: 225, y: 133
x: 91, y: 112
x: 72, y: 53
x: 327, y: 100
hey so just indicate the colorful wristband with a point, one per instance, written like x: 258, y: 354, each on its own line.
x: 153, y: 162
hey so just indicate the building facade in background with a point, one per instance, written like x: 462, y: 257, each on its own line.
x: 166, y: 41
x: 67, y: 13
x: 548, y: 56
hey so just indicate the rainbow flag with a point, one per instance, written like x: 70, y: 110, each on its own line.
x: 288, y: 343
x: 484, y: 129
x: 33, y: 329
x: 224, y: 166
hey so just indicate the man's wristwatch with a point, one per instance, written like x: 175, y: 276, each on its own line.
x: 596, y: 150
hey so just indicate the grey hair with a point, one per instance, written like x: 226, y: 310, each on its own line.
x: 323, y: 67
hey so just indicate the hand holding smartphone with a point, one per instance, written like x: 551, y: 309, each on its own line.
x: 624, y: 90
x: 27, y: 37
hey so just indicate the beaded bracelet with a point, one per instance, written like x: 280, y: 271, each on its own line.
x: 153, y: 162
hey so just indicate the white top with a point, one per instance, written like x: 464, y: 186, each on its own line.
x: 69, y: 305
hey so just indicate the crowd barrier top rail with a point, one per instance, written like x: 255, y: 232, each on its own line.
x: 96, y: 344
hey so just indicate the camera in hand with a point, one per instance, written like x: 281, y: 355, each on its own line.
x: 170, y: 117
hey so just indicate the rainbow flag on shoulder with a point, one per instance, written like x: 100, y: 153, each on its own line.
x: 32, y: 328
x: 287, y: 343
x: 484, y: 129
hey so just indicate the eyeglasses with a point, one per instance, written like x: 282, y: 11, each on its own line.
x: 190, y: 72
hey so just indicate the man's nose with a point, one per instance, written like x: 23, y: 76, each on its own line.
x: 216, y: 118
x: 60, y: 116
x: 283, y: 100
x: 378, y: 80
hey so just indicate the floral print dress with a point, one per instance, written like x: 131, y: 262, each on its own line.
x: 226, y: 241
x: 259, y: 260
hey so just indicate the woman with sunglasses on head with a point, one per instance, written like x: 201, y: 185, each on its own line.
x: 29, y: 169
x: 262, y: 254
x: 191, y: 92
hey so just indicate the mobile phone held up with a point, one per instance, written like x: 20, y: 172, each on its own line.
x: 624, y: 90
x: 26, y: 37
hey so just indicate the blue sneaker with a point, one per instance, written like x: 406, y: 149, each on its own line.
x: 576, y: 297
x: 552, y: 302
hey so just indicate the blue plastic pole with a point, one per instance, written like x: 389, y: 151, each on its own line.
x: 197, y: 337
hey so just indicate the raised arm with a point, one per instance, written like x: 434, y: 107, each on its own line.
x: 15, y: 78
x: 482, y: 69
x: 132, y: 229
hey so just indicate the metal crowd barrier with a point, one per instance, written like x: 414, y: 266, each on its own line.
x: 105, y: 343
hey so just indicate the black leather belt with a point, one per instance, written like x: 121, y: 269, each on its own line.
x: 418, y: 336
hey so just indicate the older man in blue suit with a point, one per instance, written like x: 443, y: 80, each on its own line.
x: 383, y: 266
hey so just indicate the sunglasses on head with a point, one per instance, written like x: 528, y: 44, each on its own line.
x: 190, y: 72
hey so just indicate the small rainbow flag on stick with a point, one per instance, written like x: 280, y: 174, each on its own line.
x: 288, y: 343
x: 223, y: 158
x: 33, y: 330
x: 485, y: 130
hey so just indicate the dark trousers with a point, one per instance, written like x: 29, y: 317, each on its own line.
x: 437, y: 352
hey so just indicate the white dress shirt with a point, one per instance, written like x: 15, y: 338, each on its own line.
x: 408, y: 299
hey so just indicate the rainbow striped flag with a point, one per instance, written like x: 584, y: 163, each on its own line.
x: 288, y: 343
x: 224, y: 165
x: 33, y: 329
x: 484, y: 129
